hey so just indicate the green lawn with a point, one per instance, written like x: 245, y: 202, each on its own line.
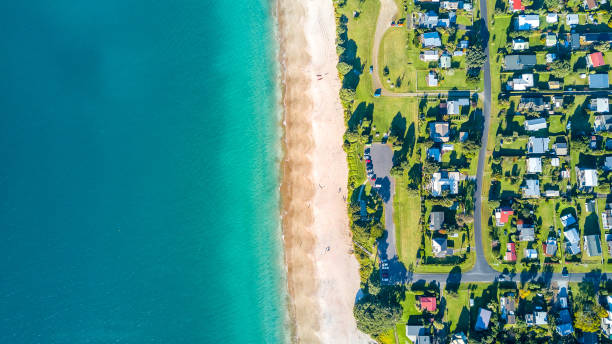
x: 407, y: 215
x: 457, y: 311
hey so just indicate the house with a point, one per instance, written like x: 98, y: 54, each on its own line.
x: 540, y: 316
x: 439, y: 131
x: 519, y: 62
x: 449, y: 5
x: 568, y: 220
x: 586, y: 177
x: 431, y: 39
x: 521, y: 84
x: 589, y: 338
x: 599, y: 105
x: 520, y: 44
x: 453, y: 107
x: 459, y: 338
x: 599, y: 81
x: 531, y: 253
x: 526, y: 231
x: 436, y: 220
x: 560, y: 148
x: 414, y: 332
x: 573, y: 241
x: 510, y: 255
x: 531, y: 189
x: 574, y: 39
x: 445, y: 181
x: 445, y: 61
x: 534, y: 165
x: 595, y: 60
x: 551, y: 18
x: 555, y: 162
x: 550, y: 247
x: 592, y: 245
x: 429, y: 56
x: 428, y: 303
x: 516, y: 5
x: 463, y: 136
x: 429, y: 20
x: 528, y: 22
x: 537, y: 145
x: 432, y: 79
x: 464, y: 44
x: 482, y: 322
x: 502, y: 215
x: 590, y: 4
x: 535, y: 125
x: 609, y: 242
x: 507, y: 309
x: 551, y: 39
x: 551, y: 193
x: 602, y: 123
x: 606, y: 217
x: 572, y: 19
x: 564, y: 323
x: 551, y: 57
x: 533, y: 104
x: 554, y: 85
x: 606, y: 323
x: 439, y: 247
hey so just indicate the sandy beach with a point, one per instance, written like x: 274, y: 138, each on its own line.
x: 322, y: 273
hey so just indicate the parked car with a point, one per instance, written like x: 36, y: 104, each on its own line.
x: 565, y: 273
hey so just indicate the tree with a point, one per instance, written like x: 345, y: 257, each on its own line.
x: 344, y: 68
x: 374, y: 317
x: 347, y: 95
x: 587, y: 320
x: 560, y: 68
x: 603, y: 47
x: 476, y: 57
x: 552, y: 4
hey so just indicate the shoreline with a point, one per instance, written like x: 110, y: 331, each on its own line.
x: 322, y: 273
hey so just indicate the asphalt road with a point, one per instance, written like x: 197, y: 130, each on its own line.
x: 382, y: 159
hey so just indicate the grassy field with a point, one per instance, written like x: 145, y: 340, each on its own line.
x: 407, y: 214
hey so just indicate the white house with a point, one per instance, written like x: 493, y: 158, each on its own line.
x: 429, y: 55
x: 528, y: 22
x: 522, y: 83
x: 551, y: 18
x: 520, y: 44
x: 572, y: 19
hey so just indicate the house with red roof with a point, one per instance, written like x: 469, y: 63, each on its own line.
x: 517, y: 5
x: 510, y: 252
x: 502, y: 215
x: 428, y: 303
x: 595, y: 60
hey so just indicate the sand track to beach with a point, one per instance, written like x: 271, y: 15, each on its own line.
x: 322, y: 274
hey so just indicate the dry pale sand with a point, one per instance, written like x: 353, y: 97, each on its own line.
x: 322, y: 274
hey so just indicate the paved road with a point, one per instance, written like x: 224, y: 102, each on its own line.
x: 382, y: 159
x: 561, y: 93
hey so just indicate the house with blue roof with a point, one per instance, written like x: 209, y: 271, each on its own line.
x: 431, y: 39
x: 599, y: 81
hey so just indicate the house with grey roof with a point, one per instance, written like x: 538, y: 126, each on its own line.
x: 537, y: 145
x: 600, y: 105
x: 531, y: 189
x: 599, y: 81
x: 436, y: 220
x: 533, y: 104
x: 535, y: 124
x: 482, y: 322
x: 519, y: 62
x: 568, y: 220
x: 592, y: 245
x: 445, y: 61
x: 415, y: 332
x: 573, y: 241
x: 439, y: 247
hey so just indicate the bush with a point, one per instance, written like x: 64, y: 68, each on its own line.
x: 373, y: 317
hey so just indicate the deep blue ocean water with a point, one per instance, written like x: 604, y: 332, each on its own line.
x: 138, y: 172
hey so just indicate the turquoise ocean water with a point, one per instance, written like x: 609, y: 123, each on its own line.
x: 138, y: 174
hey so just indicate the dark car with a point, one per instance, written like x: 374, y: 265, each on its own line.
x: 565, y: 273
